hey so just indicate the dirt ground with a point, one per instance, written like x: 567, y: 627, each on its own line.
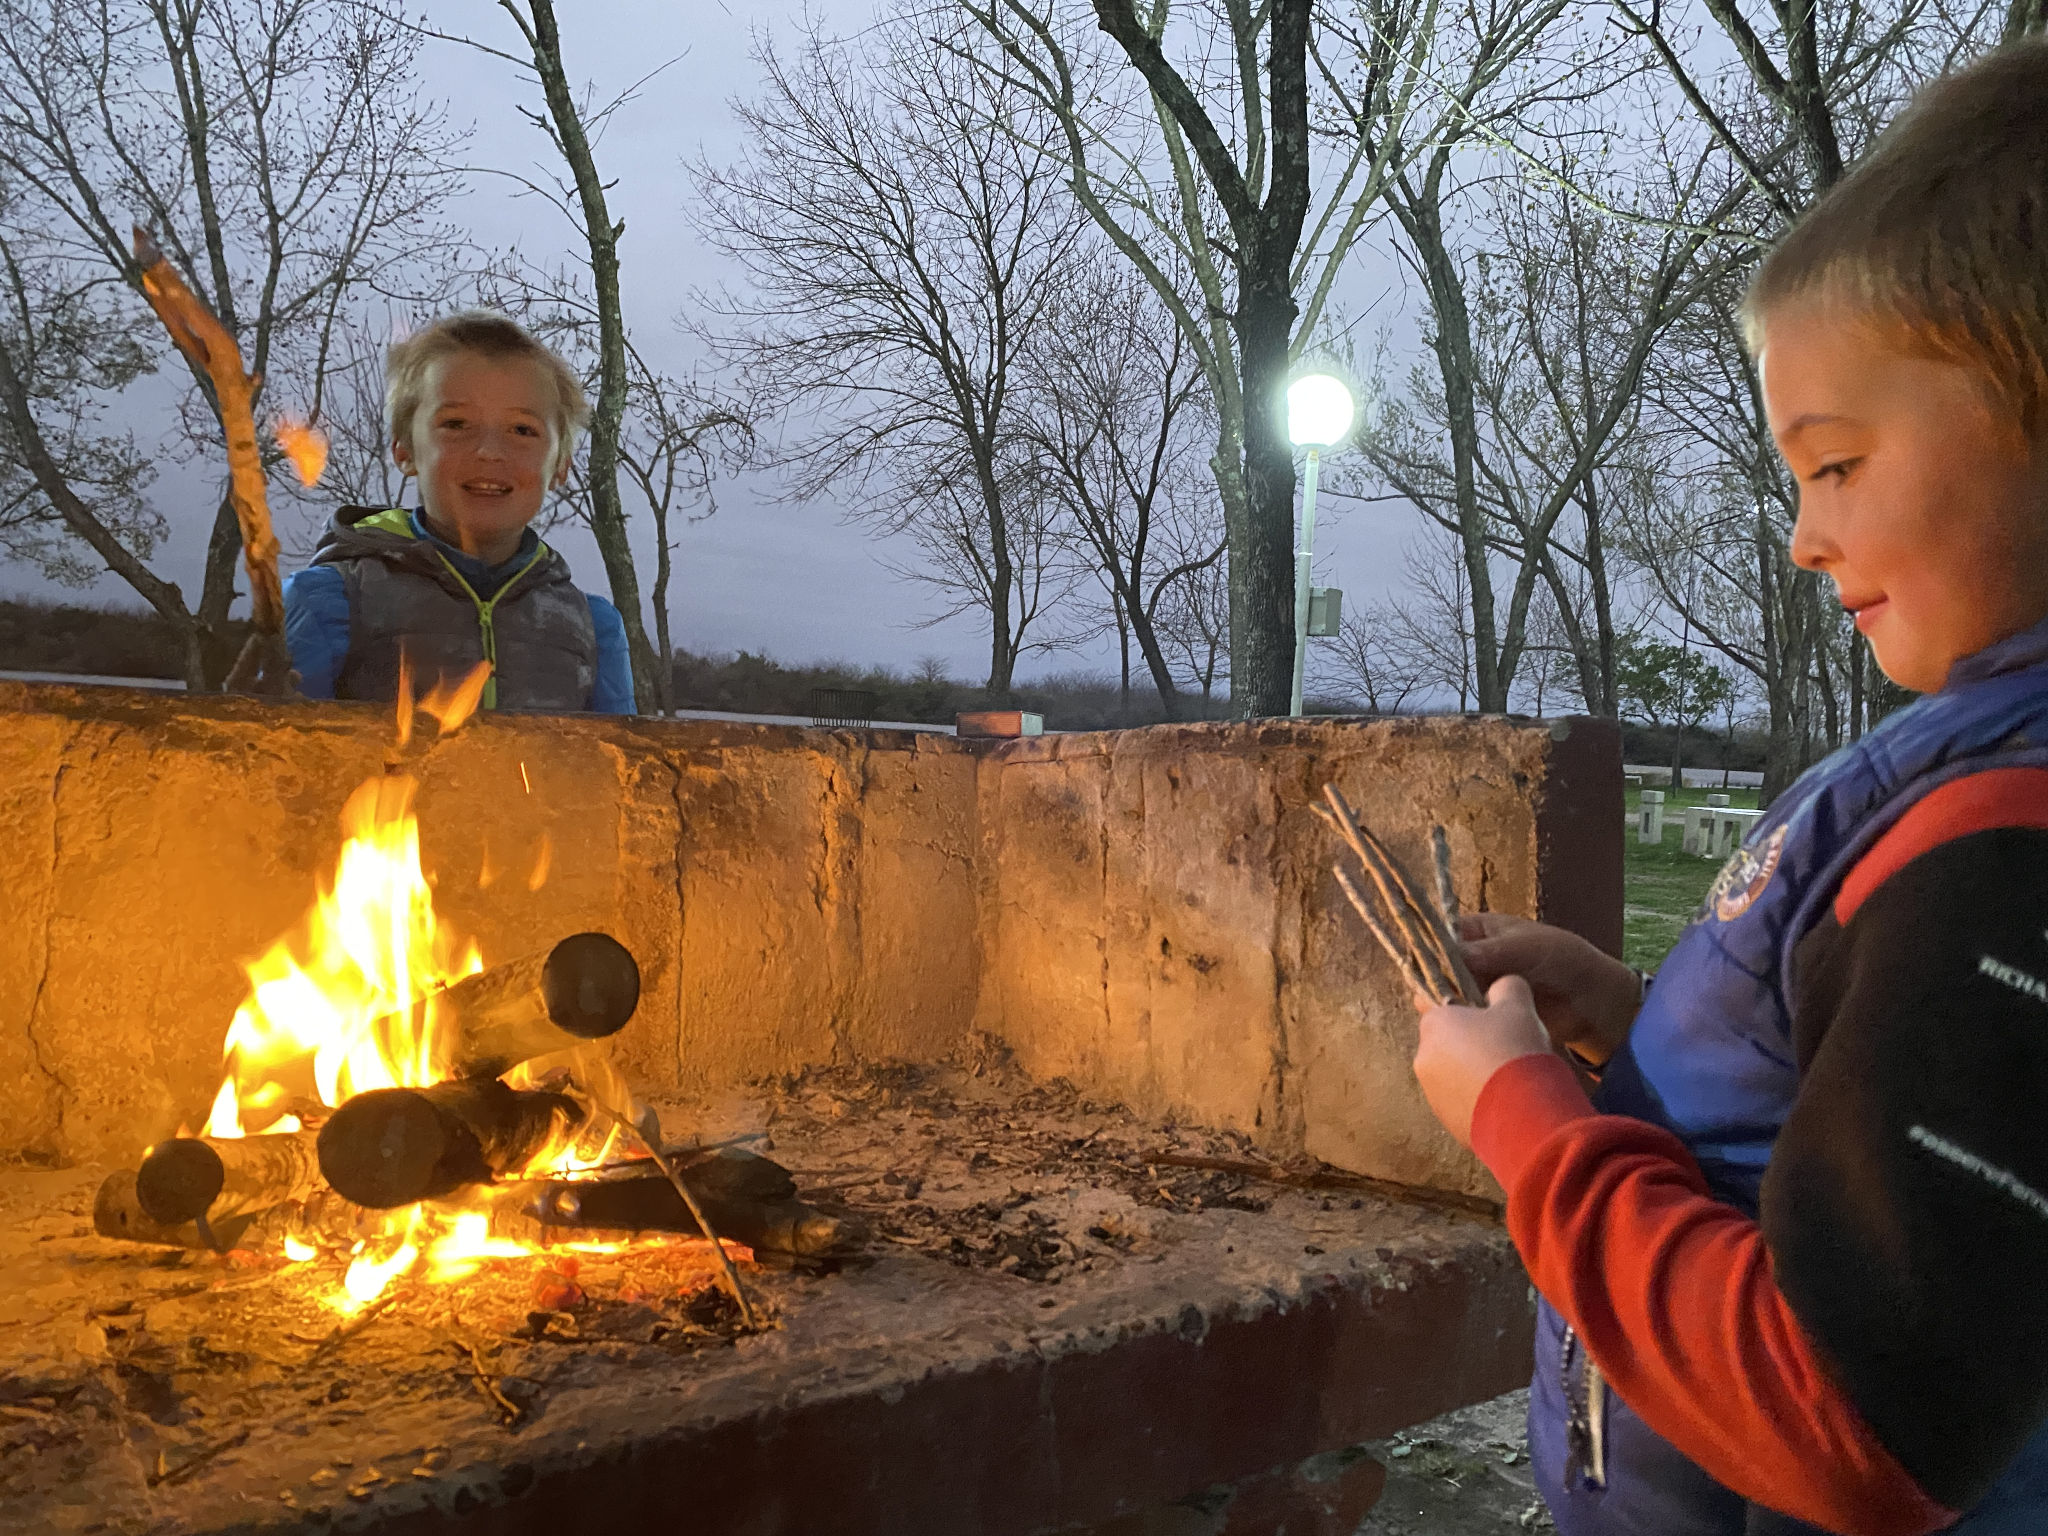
x: 1465, y: 1474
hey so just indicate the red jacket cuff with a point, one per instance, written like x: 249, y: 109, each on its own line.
x: 1521, y: 1105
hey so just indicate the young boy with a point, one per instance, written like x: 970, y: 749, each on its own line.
x: 485, y: 418
x: 1794, y: 1266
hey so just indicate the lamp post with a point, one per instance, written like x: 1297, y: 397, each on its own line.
x: 1320, y: 411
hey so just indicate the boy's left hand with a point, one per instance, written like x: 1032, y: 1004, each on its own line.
x: 1462, y: 1047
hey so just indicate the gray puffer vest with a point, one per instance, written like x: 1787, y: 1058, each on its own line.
x: 405, y: 598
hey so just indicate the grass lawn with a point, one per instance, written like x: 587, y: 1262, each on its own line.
x: 1661, y: 885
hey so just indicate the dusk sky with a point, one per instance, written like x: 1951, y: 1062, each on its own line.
x: 765, y: 575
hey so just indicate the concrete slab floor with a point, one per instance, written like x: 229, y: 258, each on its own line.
x: 1049, y: 1331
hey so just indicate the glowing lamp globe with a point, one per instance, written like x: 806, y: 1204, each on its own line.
x: 1320, y: 411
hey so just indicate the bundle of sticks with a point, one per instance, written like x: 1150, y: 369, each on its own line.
x: 1420, y: 937
x: 469, y: 1135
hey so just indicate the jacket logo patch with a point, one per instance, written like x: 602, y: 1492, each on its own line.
x: 1743, y: 878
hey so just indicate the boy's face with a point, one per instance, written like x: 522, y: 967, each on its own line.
x: 480, y: 445
x: 1917, y: 494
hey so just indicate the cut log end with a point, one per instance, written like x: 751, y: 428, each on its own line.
x: 179, y: 1180
x: 385, y: 1149
x: 592, y: 985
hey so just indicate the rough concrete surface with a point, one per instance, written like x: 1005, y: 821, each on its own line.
x: 1183, y: 1354
x: 1148, y: 913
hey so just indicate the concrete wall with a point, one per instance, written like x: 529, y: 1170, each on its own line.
x: 1160, y: 921
x: 1147, y: 912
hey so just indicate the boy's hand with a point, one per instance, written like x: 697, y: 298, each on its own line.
x: 1462, y: 1047
x: 1585, y: 997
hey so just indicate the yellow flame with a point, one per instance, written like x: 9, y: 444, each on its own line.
x: 305, y: 445
x: 451, y: 705
x: 349, y: 1001
x: 539, y: 877
x: 461, y: 1250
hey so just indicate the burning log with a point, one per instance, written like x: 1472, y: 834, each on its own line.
x: 585, y: 988
x: 392, y: 1146
x: 265, y: 664
x: 117, y: 1212
x: 744, y: 1197
x: 191, y: 1177
x: 322, y: 1218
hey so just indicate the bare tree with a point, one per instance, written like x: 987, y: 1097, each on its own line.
x: 1118, y: 418
x: 1193, y: 144
x: 903, y: 261
x: 1370, y: 662
x: 287, y: 164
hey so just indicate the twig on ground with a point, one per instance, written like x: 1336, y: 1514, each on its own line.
x: 487, y: 1384
x: 725, y: 1265
x: 354, y: 1326
x: 184, y: 1469
x: 1318, y: 1176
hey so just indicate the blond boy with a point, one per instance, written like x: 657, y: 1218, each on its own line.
x: 484, y: 419
x: 1795, y: 1263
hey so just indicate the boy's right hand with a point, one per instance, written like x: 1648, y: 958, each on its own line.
x: 1586, y: 998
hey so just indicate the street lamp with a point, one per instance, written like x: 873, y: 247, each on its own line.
x: 1320, y: 410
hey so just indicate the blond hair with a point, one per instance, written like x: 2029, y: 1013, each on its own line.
x: 1939, y: 235
x: 490, y: 334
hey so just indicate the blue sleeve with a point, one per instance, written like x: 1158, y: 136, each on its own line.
x: 316, y: 628
x: 613, y: 694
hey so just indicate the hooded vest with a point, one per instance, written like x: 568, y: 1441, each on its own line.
x: 405, y: 598
x: 1710, y: 1058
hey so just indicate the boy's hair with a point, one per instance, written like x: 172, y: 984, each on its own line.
x: 1939, y: 235
x: 487, y: 333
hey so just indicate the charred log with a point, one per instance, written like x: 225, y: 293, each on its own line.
x: 585, y: 988
x: 117, y: 1212
x: 746, y: 1198
x: 392, y: 1146
x: 191, y: 1177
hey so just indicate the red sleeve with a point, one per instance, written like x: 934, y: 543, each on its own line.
x: 1671, y: 1292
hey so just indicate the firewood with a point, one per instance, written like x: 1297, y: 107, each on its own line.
x: 392, y: 1146
x: 218, y: 1178
x: 705, y: 1225
x: 323, y: 1219
x: 585, y: 988
x: 118, y: 1212
x: 738, y: 1199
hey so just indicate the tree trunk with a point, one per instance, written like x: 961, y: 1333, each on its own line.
x: 1262, y: 548
x: 607, y: 511
x: 1421, y: 215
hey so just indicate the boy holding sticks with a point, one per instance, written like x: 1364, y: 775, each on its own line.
x: 1794, y: 1253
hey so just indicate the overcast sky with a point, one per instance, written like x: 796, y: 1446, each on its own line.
x: 763, y: 575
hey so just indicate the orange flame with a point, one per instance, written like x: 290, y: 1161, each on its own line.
x: 348, y: 1001
x: 305, y: 445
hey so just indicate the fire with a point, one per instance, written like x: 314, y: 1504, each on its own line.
x: 346, y: 1003
x: 305, y: 445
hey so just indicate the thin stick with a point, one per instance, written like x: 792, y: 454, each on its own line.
x: 184, y: 1469
x: 1318, y: 1177
x: 732, y: 1276
x: 1419, y: 957
x: 1446, y: 893
x: 264, y: 664
x: 487, y: 1385
x: 1417, y: 919
x: 355, y: 1325
x: 1400, y: 954
x: 1396, y: 889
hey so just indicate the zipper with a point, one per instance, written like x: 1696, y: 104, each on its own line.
x: 1585, y: 1433
x: 485, y: 613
